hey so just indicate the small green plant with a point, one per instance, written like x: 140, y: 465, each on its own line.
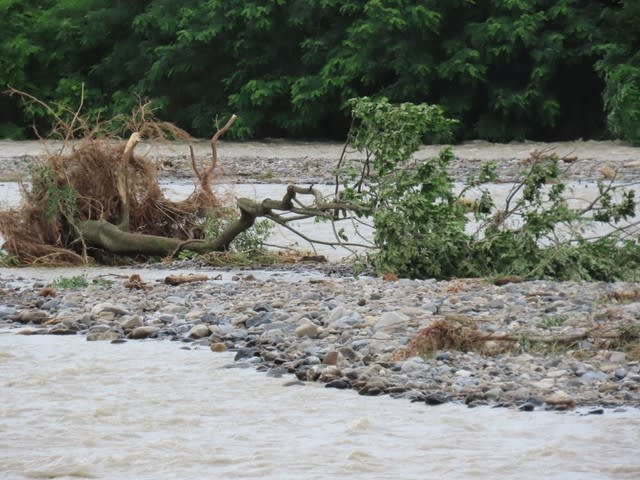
x: 525, y: 344
x: 75, y: 282
x: 60, y: 199
x: 7, y: 260
x: 552, y: 321
x: 627, y: 332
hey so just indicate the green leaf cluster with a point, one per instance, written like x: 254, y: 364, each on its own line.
x: 424, y: 229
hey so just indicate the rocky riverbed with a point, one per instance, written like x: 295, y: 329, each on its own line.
x: 550, y: 345
x: 314, y: 162
x: 529, y: 345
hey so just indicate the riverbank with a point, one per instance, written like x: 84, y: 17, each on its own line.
x: 528, y: 345
x: 550, y: 345
x: 279, y: 161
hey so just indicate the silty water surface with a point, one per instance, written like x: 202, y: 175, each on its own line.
x: 149, y: 410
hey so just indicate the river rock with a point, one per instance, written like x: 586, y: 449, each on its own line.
x: 308, y: 329
x: 617, y: 357
x: 493, y: 394
x: 260, y: 319
x: 199, y: 331
x: 560, y: 400
x: 331, y: 358
x: 218, y: 347
x: 593, y: 377
x: 32, y: 316
x: 6, y: 311
x: 108, y: 335
x: 62, y: 329
x: 342, y: 318
x: 339, y: 383
x: 143, y: 332
x: 437, y: 398
x: 413, y: 365
x: 130, y: 322
x: 391, y: 322
x: 620, y: 373
x: 108, y: 307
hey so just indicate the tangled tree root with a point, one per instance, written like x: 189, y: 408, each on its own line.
x: 99, y: 181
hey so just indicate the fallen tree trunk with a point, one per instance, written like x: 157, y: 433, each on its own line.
x: 103, y: 197
x: 107, y: 236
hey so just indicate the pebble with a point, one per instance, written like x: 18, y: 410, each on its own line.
x: 129, y: 322
x: 109, y: 307
x: 108, y: 336
x: 620, y: 373
x: 358, y: 333
x: 143, y: 332
x: 199, y: 331
x: 218, y: 347
x: 560, y: 399
x: 307, y: 330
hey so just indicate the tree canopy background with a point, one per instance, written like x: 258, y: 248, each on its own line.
x: 507, y: 69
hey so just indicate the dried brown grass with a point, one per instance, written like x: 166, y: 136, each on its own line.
x: 444, y: 334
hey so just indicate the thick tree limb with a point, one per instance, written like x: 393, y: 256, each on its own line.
x: 113, y: 238
x: 205, y: 178
x: 123, y: 179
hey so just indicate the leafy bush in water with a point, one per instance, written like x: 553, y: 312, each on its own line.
x: 425, y: 229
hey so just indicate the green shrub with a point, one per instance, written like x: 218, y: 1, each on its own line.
x: 422, y: 224
x: 75, y: 282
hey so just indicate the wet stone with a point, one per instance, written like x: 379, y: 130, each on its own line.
x: 6, y: 311
x: 307, y: 330
x: 338, y: 383
x: 620, y: 373
x: 260, y: 319
x: 143, y: 332
x: 527, y: 407
x: 218, y: 347
x: 437, y: 398
x: 108, y: 307
x: 354, y: 333
x: 33, y: 316
x: 199, y: 331
x: 107, y: 336
x: 262, y: 307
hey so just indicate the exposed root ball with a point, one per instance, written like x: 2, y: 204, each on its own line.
x: 82, y: 185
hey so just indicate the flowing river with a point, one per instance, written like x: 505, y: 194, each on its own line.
x: 149, y: 410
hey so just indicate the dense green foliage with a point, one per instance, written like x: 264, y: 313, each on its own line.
x: 425, y: 226
x: 507, y: 69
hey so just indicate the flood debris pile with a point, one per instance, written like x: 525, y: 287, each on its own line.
x: 78, y: 192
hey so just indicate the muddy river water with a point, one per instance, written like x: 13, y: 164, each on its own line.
x: 149, y: 410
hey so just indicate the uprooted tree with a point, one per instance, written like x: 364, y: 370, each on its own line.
x: 98, y: 199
